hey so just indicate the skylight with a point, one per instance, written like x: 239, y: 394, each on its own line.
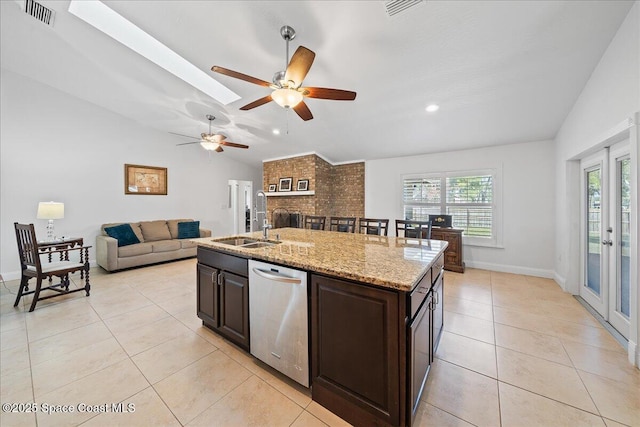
x: 98, y: 15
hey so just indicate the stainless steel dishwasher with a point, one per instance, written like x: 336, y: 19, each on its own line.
x: 278, y: 318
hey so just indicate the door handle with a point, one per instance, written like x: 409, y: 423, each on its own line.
x: 276, y: 276
x: 607, y: 242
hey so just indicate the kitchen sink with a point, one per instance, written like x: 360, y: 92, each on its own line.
x: 259, y: 245
x: 246, y: 242
x: 237, y: 241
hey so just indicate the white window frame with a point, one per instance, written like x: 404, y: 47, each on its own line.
x: 495, y: 240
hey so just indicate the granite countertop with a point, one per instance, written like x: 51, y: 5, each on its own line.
x: 389, y: 262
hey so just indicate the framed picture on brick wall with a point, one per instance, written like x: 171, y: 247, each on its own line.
x: 285, y: 184
x: 303, y: 185
x: 272, y: 188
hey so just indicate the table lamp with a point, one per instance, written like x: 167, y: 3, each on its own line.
x: 50, y: 211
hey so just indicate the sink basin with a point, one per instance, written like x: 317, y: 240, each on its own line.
x: 246, y: 242
x: 259, y: 245
x: 238, y: 241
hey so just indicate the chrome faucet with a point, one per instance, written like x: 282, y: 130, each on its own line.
x: 263, y: 206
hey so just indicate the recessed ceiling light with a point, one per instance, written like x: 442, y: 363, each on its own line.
x: 276, y: 131
x: 432, y: 108
x: 101, y: 17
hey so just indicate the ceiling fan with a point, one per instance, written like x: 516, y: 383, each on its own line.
x: 287, y: 85
x: 211, y: 141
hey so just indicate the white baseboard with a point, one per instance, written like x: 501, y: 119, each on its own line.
x: 560, y: 281
x: 634, y: 354
x: 528, y: 271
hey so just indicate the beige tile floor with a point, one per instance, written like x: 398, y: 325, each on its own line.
x: 516, y: 351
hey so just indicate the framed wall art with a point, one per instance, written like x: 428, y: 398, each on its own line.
x: 272, y: 188
x: 303, y: 185
x: 147, y: 180
x: 285, y: 184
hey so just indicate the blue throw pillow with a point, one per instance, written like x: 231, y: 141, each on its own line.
x: 189, y: 230
x: 123, y: 233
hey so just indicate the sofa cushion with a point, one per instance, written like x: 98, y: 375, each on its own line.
x: 123, y: 233
x: 134, y: 250
x: 173, y: 226
x: 189, y: 230
x: 166, y: 245
x: 187, y: 244
x: 135, y: 226
x: 155, y: 230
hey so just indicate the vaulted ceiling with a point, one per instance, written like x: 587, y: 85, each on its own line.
x: 502, y: 71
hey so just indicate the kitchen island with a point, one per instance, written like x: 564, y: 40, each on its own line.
x: 375, y: 312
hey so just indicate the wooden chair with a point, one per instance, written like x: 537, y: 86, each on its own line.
x: 343, y: 224
x: 313, y: 222
x: 413, y: 229
x: 32, y: 266
x: 379, y: 227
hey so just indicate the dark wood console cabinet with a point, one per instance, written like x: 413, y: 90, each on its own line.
x: 453, y: 259
x: 223, y: 295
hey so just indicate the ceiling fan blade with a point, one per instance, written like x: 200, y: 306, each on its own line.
x: 233, y: 144
x: 299, y: 65
x: 187, y: 136
x: 257, y: 103
x: 189, y: 143
x: 240, y: 76
x: 303, y: 111
x: 219, y: 149
x: 324, y: 93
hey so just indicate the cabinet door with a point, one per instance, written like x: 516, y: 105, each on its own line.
x: 234, y: 308
x: 355, y: 351
x: 207, y: 304
x: 437, y: 305
x: 419, y: 351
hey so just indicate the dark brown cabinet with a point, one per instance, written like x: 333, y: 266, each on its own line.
x: 234, y: 308
x: 419, y: 352
x: 453, y: 259
x: 355, y: 359
x: 207, y: 298
x: 223, y: 295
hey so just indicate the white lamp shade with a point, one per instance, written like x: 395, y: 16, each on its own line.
x: 208, y: 145
x: 50, y: 210
x: 287, y: 98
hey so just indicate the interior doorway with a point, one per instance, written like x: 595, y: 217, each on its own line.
x: 606, y: 235
x: 240, y: 202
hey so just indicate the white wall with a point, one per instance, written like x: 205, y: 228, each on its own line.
x: 527, y: 198
x: 54, y: 146
x: 610, y: 97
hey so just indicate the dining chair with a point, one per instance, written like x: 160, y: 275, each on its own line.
x: 373, y: 226
x: 343, y: 224
x: 413, y: 229
x: 32, y: 266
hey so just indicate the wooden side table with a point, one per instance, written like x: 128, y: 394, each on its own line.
x: 45, y: 247
x: 453, y: 260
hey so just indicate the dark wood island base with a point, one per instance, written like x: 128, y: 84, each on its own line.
x: 373, y: 332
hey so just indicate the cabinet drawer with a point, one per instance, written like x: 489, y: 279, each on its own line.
x: 231, y: 263
x: 419, y: 294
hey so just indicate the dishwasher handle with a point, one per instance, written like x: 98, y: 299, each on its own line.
x: 276, y: 276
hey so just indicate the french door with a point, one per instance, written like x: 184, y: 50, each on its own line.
x: 605, y: 236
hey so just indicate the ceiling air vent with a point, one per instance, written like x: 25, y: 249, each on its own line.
x: 38, y: 11
x: 394, y: 7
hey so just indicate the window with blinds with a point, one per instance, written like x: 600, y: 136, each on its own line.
x: 467, y: 197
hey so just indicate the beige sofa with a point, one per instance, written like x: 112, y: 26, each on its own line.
x: 158, y: 242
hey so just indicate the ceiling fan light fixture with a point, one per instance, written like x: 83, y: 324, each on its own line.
x: 210, y: 146
x: 287, y: 98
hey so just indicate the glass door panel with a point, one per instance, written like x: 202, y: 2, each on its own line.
x: 624, y: 237
x: 594, y: 229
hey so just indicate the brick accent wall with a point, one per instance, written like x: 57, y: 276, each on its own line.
x: 339, y: 190
x: 348, y: 190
